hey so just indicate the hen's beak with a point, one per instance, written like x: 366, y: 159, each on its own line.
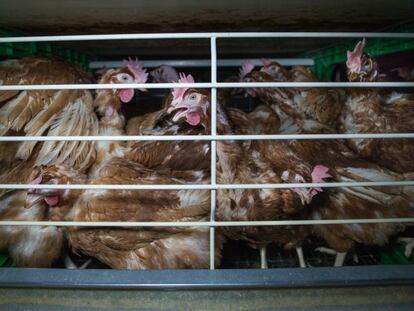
x: 353, y: 76
x: 50, y: 196
x: 193, y: 113
x: 32, y: 199
x: 265, y: 70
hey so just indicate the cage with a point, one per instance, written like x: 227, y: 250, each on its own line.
x: 200, y: 39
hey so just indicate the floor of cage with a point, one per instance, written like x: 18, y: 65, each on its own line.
x: 277, y: 257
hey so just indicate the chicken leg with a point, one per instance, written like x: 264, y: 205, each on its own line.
x: 339, y: 256
x: 263, y: 258
x: 409, y: 246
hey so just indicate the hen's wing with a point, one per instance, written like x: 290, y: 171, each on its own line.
x: 36, y: 113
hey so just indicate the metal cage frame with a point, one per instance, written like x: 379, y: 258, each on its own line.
x: 283, y: 277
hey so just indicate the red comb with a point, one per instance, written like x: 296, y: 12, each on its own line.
x: 319, y: 173
x: 246, y: 67
x: 354, y: 57
x: 266, y: 61
x: 359, y: 48
x: 136, y: 68
x: 178, y: 93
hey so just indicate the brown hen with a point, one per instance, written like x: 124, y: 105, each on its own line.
x: 41, y: 246
x: 344, y: 166
x: 376, y: 111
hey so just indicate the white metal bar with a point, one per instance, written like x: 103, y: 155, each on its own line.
x: 212, y: 229
x: 230, y: 62
x: 213, y: 54
x: 208, y: 85
x: 208, y: 137
x: 203, y: 35
x: 263, y: 257
x: 204, y: 223
x: 401, y: 183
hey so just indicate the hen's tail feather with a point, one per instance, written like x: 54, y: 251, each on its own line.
x: 26, y: 148
x: 383, y: 195
x: 74, y: 120
x: 10, y: 111
x: 62, y: 124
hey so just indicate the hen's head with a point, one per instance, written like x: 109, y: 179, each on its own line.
x: 54, y: 175
x: 164, y: 74
x: 189, y: 105
x: 318, y: 175
x: 360, y: 66
x: 302, y: 74
x: 256, y: 76
x: 131, y: 72
x: 275, y: 70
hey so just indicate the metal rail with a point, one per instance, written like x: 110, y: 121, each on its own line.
x: 229, y: 62
x: 211, y: 224
x: 204, y: 279
x: 214, y: 138
x: 208, y: 35
x: 208, y: 137
x: 210, y: 186
x: 207, y: 85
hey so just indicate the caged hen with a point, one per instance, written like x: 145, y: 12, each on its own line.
x: 339, y: 164
x: 36, y: 246
x: 376, y: 111
x: 244, y: 164
x: 132, y: 248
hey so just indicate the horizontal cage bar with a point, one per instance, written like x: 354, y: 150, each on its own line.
x: 207, y: 137
x: 228, y: 62
x: 203, y: 223
x: 208, y: 85
x: 210, y: 186
x: 203, y: 35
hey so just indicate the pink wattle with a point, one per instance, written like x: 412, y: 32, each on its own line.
x: 52, y: 200
x: 193, y: 118
x: 37, y: 180
x: 126, y: 95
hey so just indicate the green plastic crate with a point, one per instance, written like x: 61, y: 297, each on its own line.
x: 5, y: 261
x: 396, y: 256
x: 326, y: 59
x: 17, y: 50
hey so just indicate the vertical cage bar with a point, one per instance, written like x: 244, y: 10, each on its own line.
x: 213, y: 51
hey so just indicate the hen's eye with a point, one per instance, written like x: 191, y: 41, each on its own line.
x: 123, y: 77
x: 193, y: 96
